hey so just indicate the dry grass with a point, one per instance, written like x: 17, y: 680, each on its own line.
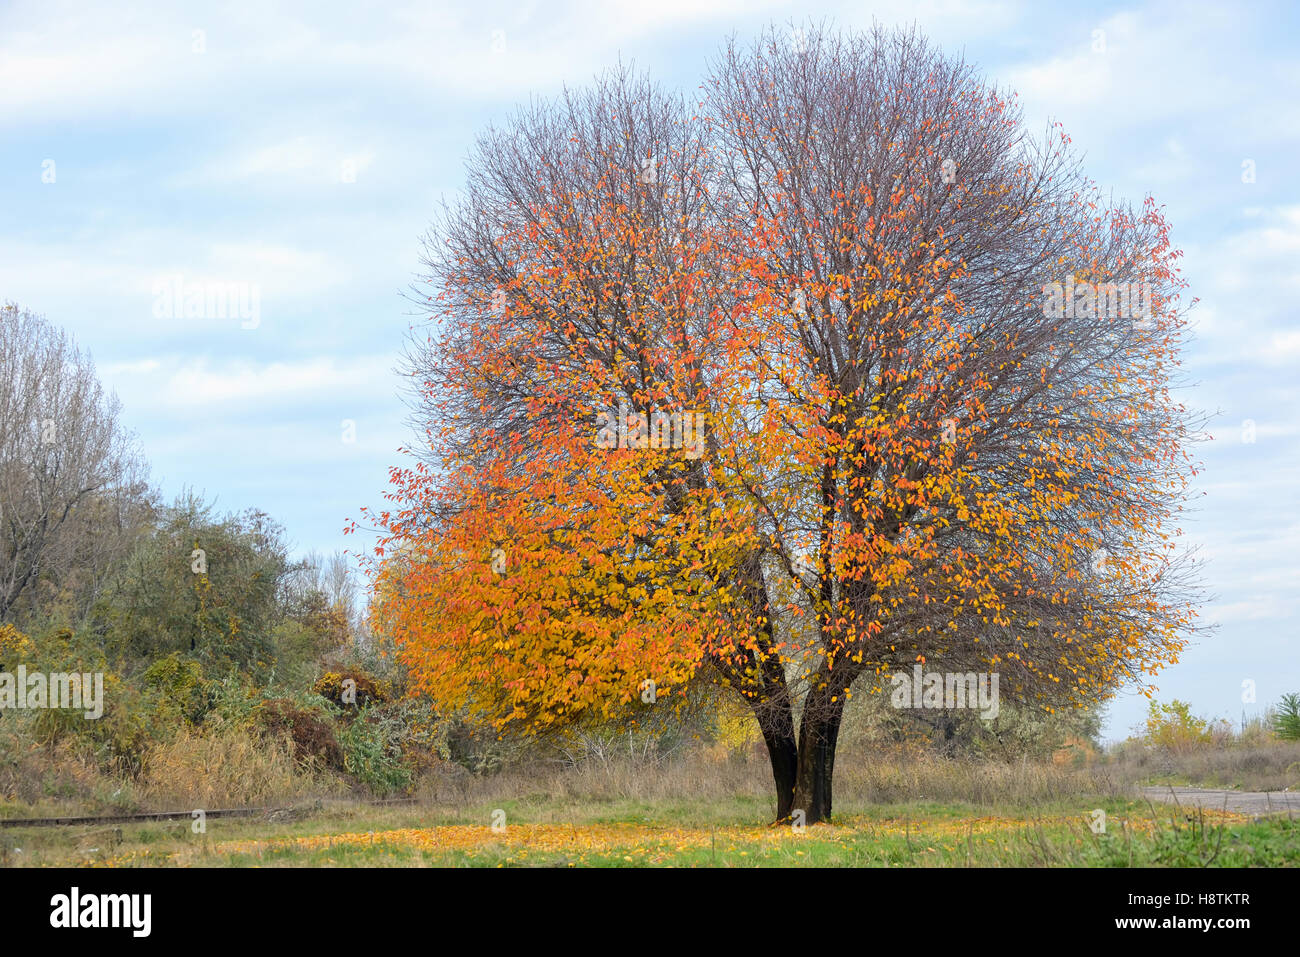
x: 1268, y: 765
x: 50, y: 778
x: 232, y: 767
x: 861, y: 779
x: 235, y: 767
x: 226, y: 768
x: 865, y: 778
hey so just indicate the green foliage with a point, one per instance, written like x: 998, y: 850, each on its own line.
x: 426, y: 737
x: 222, y: 614
x: 295, y: 651
x: 372, y: 752
x: 193, y: 618
x: 1286, y: 723
x: 236, y: 701
x: 120, y: 739
x: 1174, y: 727
x: 180, y: 691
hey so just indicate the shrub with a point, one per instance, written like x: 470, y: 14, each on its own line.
x: 372, y: 753
x: 1075, y: 752
x: 224, y: 615
x: 364, y: 691
x: 121, y: 736
x: 312, y: 737
x: 15, y: 647
x: 236, y: 701
x: 32, y: 772
x: 1174, y: 727
x: 180, y: 689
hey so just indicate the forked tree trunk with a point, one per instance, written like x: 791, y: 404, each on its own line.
x: 819, y: 730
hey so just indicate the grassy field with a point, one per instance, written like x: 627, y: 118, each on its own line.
x: 891, y: 811
x: 682, y: 834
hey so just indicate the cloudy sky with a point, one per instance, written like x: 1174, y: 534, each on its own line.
x: 289, y: 157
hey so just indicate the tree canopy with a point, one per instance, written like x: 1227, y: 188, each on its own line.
x: 852, y: 261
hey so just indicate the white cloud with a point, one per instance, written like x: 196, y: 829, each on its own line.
x: 211, y: 384
x: 98, y: 60
x: 1285, y: 348
x: 1258, y: 607
x: 1151, y: 70
x: 128, y: 265
x: 136, y: 368
x: 306, y: 160
x: 1248, y: 284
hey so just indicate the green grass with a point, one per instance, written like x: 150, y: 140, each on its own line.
x: 541, y: 831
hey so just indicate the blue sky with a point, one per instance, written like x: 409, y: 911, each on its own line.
x: 300, y: 149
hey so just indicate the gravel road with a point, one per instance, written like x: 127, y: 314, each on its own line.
x: 1244, y: 802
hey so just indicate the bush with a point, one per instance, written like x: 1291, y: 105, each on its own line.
x: 222, y: 612
x: 1020, y: 730
x: 360, y: 694
x: 236, y: 701
x: 32, y: 772
x: 15, y: 647
x: 180, y: 690
x: 372, y: 752
x: 120, y: 738
x: 311, y: 736
x: 1173, y: 726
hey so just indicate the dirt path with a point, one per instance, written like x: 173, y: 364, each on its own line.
x: 1243, y: 802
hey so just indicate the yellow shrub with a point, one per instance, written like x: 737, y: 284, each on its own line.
x: 15, y: 647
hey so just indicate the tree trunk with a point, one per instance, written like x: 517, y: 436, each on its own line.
x: 769, y: 697
x: 818, y: 732
x: 776, y: 721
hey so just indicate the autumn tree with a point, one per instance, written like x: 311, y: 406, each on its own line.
x: 935, y: 366
x: 581, y: 282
